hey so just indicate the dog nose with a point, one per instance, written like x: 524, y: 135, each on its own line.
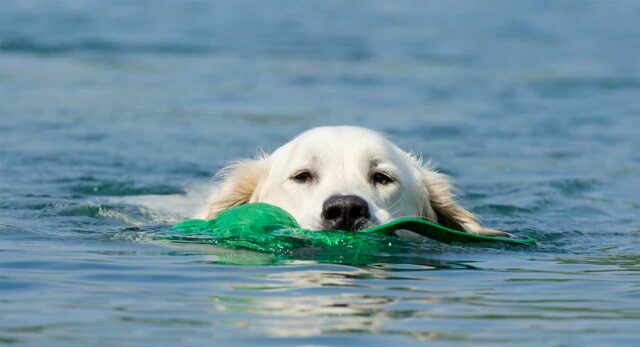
x: 345, y: 212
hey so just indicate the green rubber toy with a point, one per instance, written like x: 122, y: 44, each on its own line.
x: 270, y: 229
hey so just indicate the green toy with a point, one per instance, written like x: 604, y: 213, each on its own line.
x: 267, y: 228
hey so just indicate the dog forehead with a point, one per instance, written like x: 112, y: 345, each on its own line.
x: 341, y: 133
x: 329, y: 142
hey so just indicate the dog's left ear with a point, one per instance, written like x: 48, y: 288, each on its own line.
x: 239, y: 182
x: 441, y: 205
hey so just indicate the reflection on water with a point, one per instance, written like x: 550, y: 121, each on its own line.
x: 298, y: 296
x: 331, y: 301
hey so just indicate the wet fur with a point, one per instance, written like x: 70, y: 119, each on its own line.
x: 239, y: 183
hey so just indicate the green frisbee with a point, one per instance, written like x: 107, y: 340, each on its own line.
x: 267, y: 228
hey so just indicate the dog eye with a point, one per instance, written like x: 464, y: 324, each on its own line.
x: 381, y: 178
x: 302, y: 177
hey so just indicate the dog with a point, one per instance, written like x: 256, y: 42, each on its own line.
x: 343, y: 178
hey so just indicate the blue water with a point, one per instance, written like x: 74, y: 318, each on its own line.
x: 114, y: 115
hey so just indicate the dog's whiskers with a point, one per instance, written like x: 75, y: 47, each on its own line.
x: 395, y: 203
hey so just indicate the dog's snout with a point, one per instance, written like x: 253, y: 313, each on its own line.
x: 345, y: 212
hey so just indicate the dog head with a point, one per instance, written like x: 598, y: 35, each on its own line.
x: 344, y: 178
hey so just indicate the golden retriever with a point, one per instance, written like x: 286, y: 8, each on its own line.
x: 343, y: 178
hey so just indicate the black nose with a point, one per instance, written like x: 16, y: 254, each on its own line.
x: 345, y: 212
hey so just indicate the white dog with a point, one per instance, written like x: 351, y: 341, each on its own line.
x: 344, y: 178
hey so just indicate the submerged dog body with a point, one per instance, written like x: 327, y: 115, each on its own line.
x: 344, y: 178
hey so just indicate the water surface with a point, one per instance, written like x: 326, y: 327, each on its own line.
x: 114, y: 115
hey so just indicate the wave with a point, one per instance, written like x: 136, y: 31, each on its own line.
x: 24, y: 45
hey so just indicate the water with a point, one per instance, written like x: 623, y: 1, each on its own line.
x: 115, y: 114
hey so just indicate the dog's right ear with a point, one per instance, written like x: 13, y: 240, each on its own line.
x: 442, y: 208
x: 239, y: 181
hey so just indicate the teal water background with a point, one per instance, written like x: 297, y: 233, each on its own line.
x: 114, y: 115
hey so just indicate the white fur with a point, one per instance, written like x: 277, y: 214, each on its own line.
x: 342, y: 160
